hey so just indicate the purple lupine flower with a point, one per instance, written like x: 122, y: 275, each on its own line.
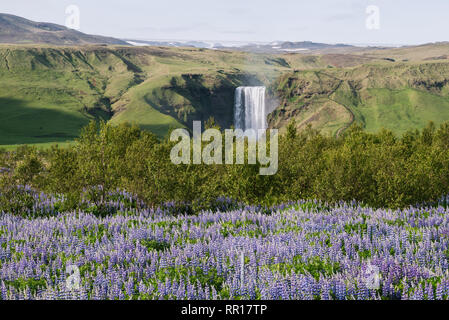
x: 119, y: 264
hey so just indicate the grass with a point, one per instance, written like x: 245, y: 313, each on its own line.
x: 324, y: 114
x: 48, y: 96
x: 49, y: 93
x: 40, y: 121
x: 42, y: 146
x: 146, y: 116
x: 401, y: 110
x: 395, y: 96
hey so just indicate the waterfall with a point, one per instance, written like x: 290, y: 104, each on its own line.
x: 250, y: 111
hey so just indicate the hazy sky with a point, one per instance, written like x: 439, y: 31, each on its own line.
x: 331, y: 21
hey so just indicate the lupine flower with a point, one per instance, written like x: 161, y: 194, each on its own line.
x: 301, y: 250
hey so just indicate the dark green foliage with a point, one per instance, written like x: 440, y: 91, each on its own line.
x: 15, y: 199
x: 155, y: 245
x: 380, y: 170
x: 21, y: 284
x: 315, y: 267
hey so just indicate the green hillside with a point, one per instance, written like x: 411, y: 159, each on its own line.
x: 398, y: 97
x: 49, y: 93
x: 400, y: 110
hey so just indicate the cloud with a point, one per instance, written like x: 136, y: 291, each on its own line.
x: 174, y: 29
x: 342, y: 17
x: 237, y: 31
x: 239, y: 11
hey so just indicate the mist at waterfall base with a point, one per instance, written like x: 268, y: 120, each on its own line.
x: 250, y: 111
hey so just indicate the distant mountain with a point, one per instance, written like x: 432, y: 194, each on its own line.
x: 308, y: 45
x: 273, y: 47
x: 287, y: 46
x: 18, y: 30
x: 171, y: 43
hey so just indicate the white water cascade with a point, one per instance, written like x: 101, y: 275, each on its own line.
x: 250, y: 111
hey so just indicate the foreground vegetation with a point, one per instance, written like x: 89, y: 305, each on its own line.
x: 303, y: 250
x: 190, y: 232
x: 379, y: 170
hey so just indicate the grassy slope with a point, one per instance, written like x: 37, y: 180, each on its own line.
x: 156, y: 105
x: 395, y: 96
x: 426, y: 52
x: 138, y: 111
x: 400, y: 110
x: 48, y: 94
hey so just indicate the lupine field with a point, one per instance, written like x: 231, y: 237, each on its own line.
x: 303, y: 250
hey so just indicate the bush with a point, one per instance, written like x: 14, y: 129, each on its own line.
x: 380, y: 170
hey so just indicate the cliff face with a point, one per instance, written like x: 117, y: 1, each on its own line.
x: 398, y: 97
x: 50, y: 93
x: 198, y: 97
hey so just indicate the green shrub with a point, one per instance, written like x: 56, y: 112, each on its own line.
x: 380, y: 170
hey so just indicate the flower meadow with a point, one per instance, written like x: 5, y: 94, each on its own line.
x: 303, y: 250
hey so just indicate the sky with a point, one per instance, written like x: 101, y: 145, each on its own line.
x: 395, y: 22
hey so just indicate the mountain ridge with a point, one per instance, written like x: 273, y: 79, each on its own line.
x: 272, y: 47
x: 19, y: 30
